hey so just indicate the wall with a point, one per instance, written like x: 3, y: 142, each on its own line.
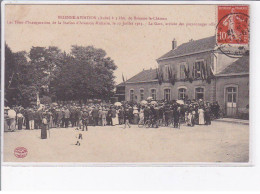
x: 137, y: 86
x: 190, y: 89
x: 242, y: 82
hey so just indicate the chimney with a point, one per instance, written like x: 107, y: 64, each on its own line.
x: 174, y: 44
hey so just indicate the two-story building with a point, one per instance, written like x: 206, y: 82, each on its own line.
x: 213, y: 76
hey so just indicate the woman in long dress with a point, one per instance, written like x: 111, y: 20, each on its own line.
x: 136, y: 115
x: 114, y: 119
x: 117, y: 119
x: 201, y: 116
x: 44, y: 128
x: 141, y: 116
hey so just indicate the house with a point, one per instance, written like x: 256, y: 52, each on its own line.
x: 197, y: 69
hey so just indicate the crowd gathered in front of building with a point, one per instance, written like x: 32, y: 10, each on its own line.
x: 158, y: 113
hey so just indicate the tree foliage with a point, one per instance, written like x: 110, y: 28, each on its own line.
x: 82, y: 74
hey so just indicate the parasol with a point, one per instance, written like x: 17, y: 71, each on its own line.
x: 153, y: 102
x: 149, y: 98
x: 143, y: 102
x: 118, y: 104
x: 180, y: 101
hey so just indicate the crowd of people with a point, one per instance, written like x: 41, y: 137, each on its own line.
x: 159, y: 113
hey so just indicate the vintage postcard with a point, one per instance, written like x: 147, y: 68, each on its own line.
x: 125, y: 84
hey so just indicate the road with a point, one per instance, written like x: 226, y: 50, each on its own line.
x: 220, y: 142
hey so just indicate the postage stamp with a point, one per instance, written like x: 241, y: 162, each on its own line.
x: 233, y: 24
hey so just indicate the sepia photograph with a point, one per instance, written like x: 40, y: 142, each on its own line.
x: 126, y: 84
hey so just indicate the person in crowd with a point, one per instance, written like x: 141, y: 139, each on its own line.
x: 109, y: 117
x: 26, y: 118
x: 117, y: 118
x: 121, y: 116
x: 104, y: 116
x: 12, y: 119
x: 201, y: 115
x: 63, y: 118
x: 20, y: 119
x: 59, y: 117
x: 66, y: 117
x: 6, y: 119
x: 136, y: 115
x: 79, y: 117
x: 176, y: 117
x: 37, y: 119
x: 131, y: 114
x: 126, y: 118
x: 73, y: 116
x: 44, y: 126
x: 190, y: 118
x: 154, y: 116
x: 167, y: 114
x: 100, y: 116
x: 207, y: 116
x: 84, y: 118
x: 141, y: 115
x: 31, y: 117
x: 146, y: 113
x: 95, y: 115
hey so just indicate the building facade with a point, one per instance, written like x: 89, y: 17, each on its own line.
x: 200, y: 71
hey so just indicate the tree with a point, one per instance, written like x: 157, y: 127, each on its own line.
x: 87, y: 74
x: 82, y: 74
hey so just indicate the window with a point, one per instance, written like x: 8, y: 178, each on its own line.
x: 182, y: 93
x: 199, y: 93
x: 132, y: 95
x: 167, y: 94
x: 141, y: 94
x: 153, y: 93
x: 182, y: 72
x: 232, y: 94
x: 197, y: 69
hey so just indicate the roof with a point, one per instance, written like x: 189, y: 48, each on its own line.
x: 190, y: 47
x: 239, y: 66
x: 144, y: 76
x: 121, y: 84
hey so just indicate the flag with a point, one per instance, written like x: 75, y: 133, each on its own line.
x: 190, y: 78
x: 123, y: 78
x: 186, y: 73
x: 193, y: 73
x: 171, y: 76
x: 159, y: 76
x: 211, y: 75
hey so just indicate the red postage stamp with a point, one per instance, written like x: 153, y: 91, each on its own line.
x: 20, y: 152
x: 233, y: 24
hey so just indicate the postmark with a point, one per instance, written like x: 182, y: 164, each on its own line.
x: 20, y: 152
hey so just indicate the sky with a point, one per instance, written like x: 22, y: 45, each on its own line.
x: 132, y: 47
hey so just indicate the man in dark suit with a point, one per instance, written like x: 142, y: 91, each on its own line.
x: 95, y: 116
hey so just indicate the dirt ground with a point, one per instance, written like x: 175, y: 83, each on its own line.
x: 220, y: 142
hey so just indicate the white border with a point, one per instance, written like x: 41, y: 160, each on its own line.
x: 177, y: 164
